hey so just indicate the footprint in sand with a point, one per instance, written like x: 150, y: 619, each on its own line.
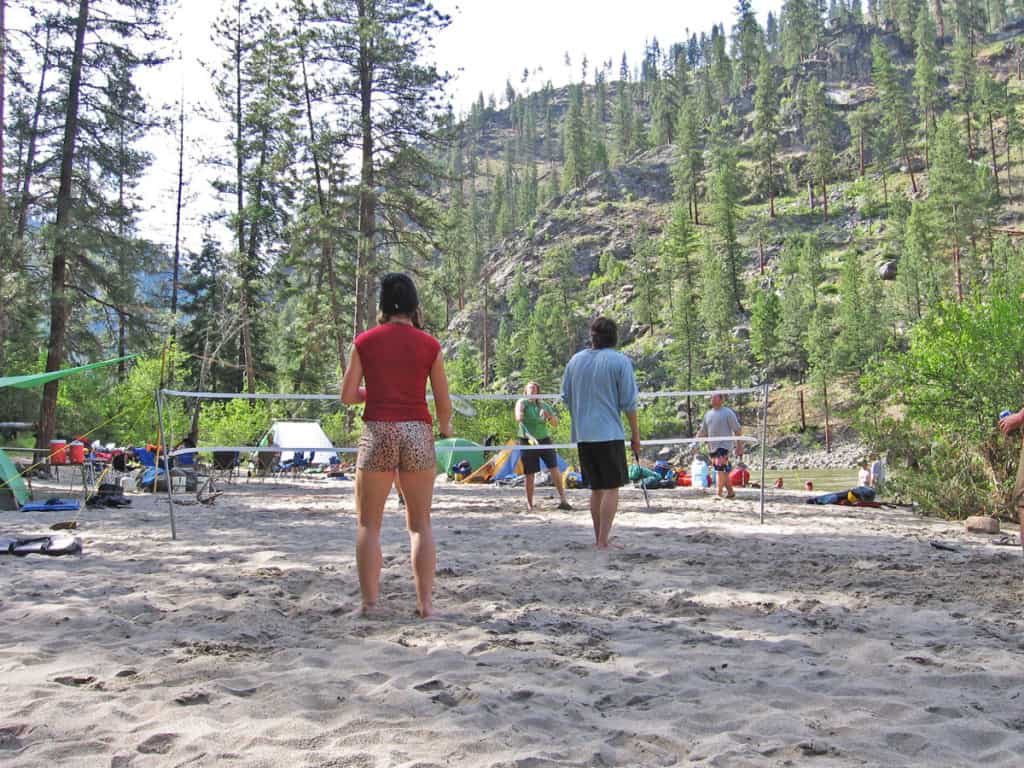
x: 192, y: 698
x: 158, y: 744
x: 10, y: 736
x: 75, y: 681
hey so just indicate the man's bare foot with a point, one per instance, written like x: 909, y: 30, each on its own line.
x: 425, y: 611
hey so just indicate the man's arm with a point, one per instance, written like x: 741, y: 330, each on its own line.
x: 634, y: 432
x: 1012, y: 422
x: 629, y: 396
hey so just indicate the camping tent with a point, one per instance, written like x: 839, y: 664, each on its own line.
x: 505, y: 465
x: 13, y: 492
x: 301, y: 436
x: 449, y: 454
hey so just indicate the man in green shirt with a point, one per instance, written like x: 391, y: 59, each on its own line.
x: 534, y: 416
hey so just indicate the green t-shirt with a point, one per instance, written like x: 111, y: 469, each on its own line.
x: 533, y: 421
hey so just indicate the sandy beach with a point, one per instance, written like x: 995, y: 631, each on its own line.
x: 827, y: 636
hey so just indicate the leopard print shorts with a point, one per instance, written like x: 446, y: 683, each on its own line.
x: 407, y: 446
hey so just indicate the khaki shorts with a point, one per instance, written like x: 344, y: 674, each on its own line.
x: 1018, y: 489
x: 407, y: 446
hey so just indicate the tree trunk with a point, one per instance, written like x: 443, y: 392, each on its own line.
x: 970, y: 135
x: 693, y: 194
x: 957, y: 274
x: 992, y: 147
x: 771, y: 189
x: 860, y: 154
x: 824, y: 201
x: 487, y: 339
x: 885, y: 190
x: 63, y: 245
x: 30, y: 154
x: 177, y: 214
x: 910, y: 168
x: 803, y: 412
x: 245, y: 309
x: 760, y: 252
x: 1009, y: 178
x: 367, y: 193
x: 3, y: 95
x: 937, y: 5
x: 810, y: 194
x: 828, y: 424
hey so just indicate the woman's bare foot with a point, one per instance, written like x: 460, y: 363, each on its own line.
x: 363, y: 611
x: 425, y: 611
x: 609, y: 545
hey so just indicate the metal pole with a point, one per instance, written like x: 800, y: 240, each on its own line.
x: 167, y: 464
x: 764, y: 446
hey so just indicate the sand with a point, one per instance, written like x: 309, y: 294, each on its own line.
x: 828, y: 636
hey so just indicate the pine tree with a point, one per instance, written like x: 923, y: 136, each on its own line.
x: 689, y: 155
x: 87, y: 63
x: 646, y: 286
x: 798, y: 33
x: 765, y: 317
x: 718, y: 316
x: 892, y: 97
x: 624, y: 120
x: 724, y: 191
x: 952, y: 182
x: 819, y: 128
x: 964, y: 76
x: 991, y: 103
x: 766, y: 129
x: 917, y: 279
x: 574, y: 133
x: 679, y: 272
x: 820, y: 360
x: 748, y: 40
x: 926, y: 77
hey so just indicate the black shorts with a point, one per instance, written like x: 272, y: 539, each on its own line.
x: 604, y: 464
x: 720, y: 460
x: 532, y: 459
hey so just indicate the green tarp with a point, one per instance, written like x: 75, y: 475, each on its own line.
x: 449, y: 454
x: 38, y: 379
x: 11, y: 481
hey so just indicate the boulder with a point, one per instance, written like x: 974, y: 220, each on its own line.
x: 981, y: 524
x: 887, y: 270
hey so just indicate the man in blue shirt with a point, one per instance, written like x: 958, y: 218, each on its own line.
x: 597, y: 386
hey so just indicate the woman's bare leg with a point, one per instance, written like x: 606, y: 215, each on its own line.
x: 530, y: 485
x: 372, y: 489
x: 419, y: 495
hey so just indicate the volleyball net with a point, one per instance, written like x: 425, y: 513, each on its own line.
x: 487, y: 418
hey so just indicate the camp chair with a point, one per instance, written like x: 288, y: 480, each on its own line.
x: 226, y: 463
x: 266, y: 461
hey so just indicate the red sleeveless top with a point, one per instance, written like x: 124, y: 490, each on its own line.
x: 396, y: 359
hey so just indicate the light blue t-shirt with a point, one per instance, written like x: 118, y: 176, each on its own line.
x: 597, y: 386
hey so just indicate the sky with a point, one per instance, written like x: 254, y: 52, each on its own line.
x: 487, y: 42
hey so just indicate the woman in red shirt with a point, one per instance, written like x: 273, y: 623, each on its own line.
x: 394, y: 360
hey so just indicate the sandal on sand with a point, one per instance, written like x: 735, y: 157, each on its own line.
x: 732, y: 495
x: 1006, y: 541
x: 565, y: 506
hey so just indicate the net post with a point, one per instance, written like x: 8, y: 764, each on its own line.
x: 764, y: 445
x: 167, y: 463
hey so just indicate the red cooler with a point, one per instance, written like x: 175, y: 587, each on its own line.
x: 58, y: 452
x: 76, y: 453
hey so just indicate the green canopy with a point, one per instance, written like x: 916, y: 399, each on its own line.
x: 11, y: 481
x: 449, y: 454
x: 38, y: 379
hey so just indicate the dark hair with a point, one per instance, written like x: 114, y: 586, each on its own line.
x: 603, y: 333
x: 398, y: 295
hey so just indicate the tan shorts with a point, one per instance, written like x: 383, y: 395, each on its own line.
x: 407, y: 446
x: 1018, y: 489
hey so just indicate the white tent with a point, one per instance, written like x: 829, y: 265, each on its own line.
x: 301, y: 437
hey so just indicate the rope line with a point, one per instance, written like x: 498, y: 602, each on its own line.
x: 455, y: 448
x: 480, y: 397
